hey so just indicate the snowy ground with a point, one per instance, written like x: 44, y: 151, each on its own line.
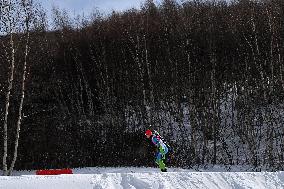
x: 144, y: 178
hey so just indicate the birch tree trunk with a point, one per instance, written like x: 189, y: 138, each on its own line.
x: 7, y: 22
x: 5, y: 126
x: 19, y: 122
x: 9, y: 11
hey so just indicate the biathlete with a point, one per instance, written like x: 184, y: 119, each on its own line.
x: 161, y: 149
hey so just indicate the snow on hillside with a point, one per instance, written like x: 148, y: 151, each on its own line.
x: 145, y: 178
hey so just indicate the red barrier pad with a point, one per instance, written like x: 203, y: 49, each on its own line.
x: 54, y: 172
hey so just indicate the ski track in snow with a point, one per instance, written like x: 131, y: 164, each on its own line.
x: 144, y: 178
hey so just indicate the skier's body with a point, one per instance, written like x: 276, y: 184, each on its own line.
x: 162, y: 149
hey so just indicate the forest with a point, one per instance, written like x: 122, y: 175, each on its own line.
x: 80, y: 92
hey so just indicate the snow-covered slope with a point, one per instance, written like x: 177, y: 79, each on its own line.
x: 145, y: 179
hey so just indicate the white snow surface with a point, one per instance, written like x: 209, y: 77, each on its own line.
x: 143, y: 178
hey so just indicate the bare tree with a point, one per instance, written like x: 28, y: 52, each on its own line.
x: 15, y: 17
x: 26, y: 6
x: 8, y: 25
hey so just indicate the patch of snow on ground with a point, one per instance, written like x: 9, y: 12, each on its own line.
x: 145, y: 178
